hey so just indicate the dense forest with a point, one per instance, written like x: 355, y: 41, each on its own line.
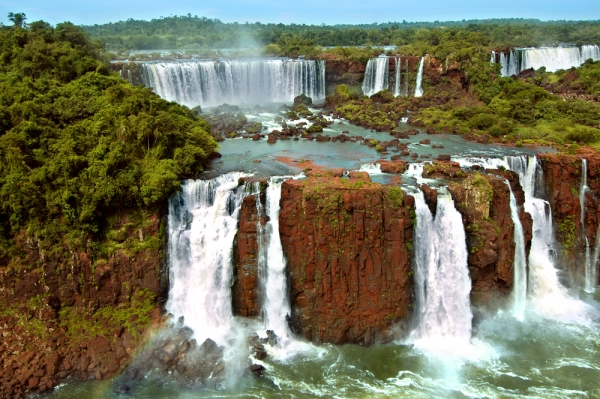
x: 193, y: 32
x: 78, y: 143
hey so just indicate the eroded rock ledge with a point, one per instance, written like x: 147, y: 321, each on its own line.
x: 348, y: 245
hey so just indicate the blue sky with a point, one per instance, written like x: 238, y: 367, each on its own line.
x: 307, y: 11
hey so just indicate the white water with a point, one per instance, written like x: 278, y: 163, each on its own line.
x: 520, y: 262
x: 202, y: 225
x: 277, y: 304
x: 419, y: 85
x: 371, y: 169
x: 548, y: 296
x: 398, y: 82
x: 442, y: 282
x: 553, y: 58
x: 590, y: 264
x: 376, y: 75
x: 210, y: 83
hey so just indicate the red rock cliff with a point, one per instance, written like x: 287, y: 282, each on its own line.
x: 347, y: 244
x: 562, y: 182
x: 245, y: 292
x: 484, y: 203
x: 64, y: 313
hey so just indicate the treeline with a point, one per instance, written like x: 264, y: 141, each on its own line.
x: 79, y: 144
x: 193, y: 32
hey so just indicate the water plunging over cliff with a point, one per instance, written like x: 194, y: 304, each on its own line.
x: 553, y: 58
x: 397, y: 84
x: 277, y: 304
x: 209, y: 83
x: 549, y: 297
x: 376, y: 76
x: 203, y: 220
x: 590, y: 264
x: 520, y: 263
x: 442, y: 281
x: 419, y: 86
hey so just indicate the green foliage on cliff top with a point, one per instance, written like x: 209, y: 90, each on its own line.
x: 78, y: 144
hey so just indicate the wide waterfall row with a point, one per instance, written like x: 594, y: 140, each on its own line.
x: 377, y: 77
x: 553, y: 58
x: 210, y: 83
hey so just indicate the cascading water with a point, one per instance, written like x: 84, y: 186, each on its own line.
x: 442, y: 282
x: 419, y: 85
x: 549, y: 297
x: 405, y: 87
x: 519, y: 264
x: 376, y: 75
x: 277, y: 304
x: 209, y: 83
x: 590, y: 264
x: 202, y: 223
x: 553, y: 58
x: 398, y: 82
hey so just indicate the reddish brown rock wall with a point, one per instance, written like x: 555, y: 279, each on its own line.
x: 484, y: 203
x: 346, y: 242
x: 245, y: 293
x: 562, y: 181
x: 39, y: 346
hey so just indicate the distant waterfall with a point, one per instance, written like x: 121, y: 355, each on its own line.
x: 549, y: 297
x: 520, y: 262
x: 273, y: 263
x: 405, y: 87
x: 419, y: 86
x: 397, y: 83
x: 442, y: 282
x: 590, y: 264
x: 210, y: 83
x: 553, y: 58
x: 202, y: 224
x: 377, y: 75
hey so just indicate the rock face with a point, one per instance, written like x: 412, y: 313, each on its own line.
x: 245, y: 292
x: 175, y: 354
x: 347, y: 244
x: 484, y: 203
x: 562, y: 181
x: 56, y: 294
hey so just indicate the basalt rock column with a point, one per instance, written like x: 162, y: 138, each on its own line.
x: 484, y: 203
x: 347, y: 242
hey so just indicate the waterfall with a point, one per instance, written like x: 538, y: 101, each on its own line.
x: 519, y: 264
x: 397, y: 85
x: 202, y: 225
x: 210, y: 83
x: 589, y: 280
x: 419, y: 85
x: 405, y: 88
x: 271, y: 260
x: 377, y: 75
x: 549, y: 297
x: 442, y: 282
x: 553, y: 58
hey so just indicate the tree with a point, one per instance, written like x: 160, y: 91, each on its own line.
x: 18, y: 19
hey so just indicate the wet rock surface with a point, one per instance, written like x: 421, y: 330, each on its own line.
x: 174, y: 355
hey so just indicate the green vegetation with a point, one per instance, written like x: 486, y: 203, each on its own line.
x: 197, y: 33
x: 134, y: 316
x: 79, y: 144
x: 395, y: 196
